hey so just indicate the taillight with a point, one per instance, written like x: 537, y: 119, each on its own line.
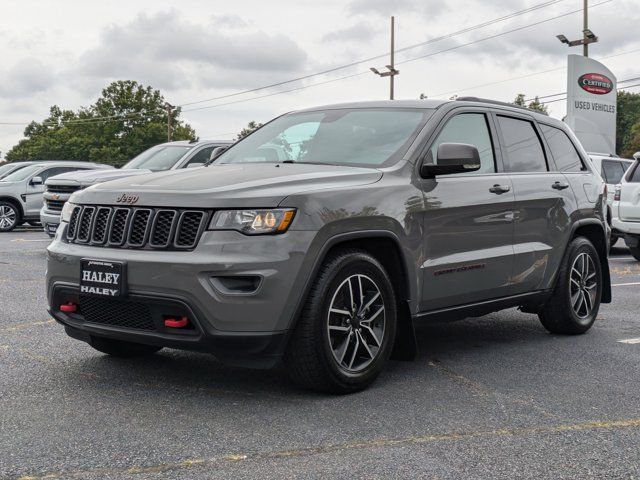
x: 616, y: 195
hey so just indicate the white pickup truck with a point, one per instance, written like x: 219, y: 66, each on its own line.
x: 626, y: 208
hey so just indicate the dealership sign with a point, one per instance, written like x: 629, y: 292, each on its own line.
x: 591, y: 104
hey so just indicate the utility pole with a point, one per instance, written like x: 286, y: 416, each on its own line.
x: 169, y: 108
x: 585, y: 28
x: 587, y: 35
x: 391, y: 72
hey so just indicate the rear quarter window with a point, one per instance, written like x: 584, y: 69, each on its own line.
x: 563, y: 150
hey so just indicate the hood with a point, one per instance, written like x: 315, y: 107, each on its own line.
x: 86, y: 178
x: 8, y: 184
x: 237, y: 185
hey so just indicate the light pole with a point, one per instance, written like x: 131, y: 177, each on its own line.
x: 587, y: 35
x: 391, y: 72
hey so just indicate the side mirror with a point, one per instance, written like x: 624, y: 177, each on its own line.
x: 36, y: 181
x: 452, y: 158
x: 216, y: 153
x: 636, y: 155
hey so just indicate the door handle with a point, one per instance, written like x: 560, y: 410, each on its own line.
x: 560, y: 185
x: 500, y: 189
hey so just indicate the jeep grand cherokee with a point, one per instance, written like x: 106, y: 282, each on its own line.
x: 319, y: 240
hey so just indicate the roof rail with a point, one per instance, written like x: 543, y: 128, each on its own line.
x: 497, y: 102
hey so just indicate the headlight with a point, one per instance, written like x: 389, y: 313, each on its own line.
x: 253, y: 222
x: 67, y: 210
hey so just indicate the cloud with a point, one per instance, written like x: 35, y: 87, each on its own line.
x: 169, y: 52
x: 27, y: 77
x: 386, y: 8
x: 360, y: 32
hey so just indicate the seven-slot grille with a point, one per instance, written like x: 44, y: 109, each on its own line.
x: 128, y: 227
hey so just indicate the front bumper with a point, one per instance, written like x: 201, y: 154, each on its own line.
x: 50, y: 221
x: 230, y: 324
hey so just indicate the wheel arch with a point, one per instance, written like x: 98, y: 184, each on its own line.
x: 384, y: 245
x: 13, y: 202
x: 595, y: 233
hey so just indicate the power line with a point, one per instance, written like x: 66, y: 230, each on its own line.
x: 404, y: 61
x: 365, y: 60
x: 520, y: 77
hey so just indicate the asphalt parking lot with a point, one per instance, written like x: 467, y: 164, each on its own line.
x: 494, y: 397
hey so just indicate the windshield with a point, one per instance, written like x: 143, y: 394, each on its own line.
x: 351, y: 137
x: 158, y: 158
x: 22, y: 174
x: 4, y: 169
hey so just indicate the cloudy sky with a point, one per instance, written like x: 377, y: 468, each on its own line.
x: 63, y: 52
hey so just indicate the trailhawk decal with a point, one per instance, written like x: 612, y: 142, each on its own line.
x: 595, y: 83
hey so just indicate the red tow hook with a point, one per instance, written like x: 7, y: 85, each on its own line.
x: 69, y: 308
x: 173, y: 323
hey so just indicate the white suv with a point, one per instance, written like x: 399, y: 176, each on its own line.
x: 611, y: 169
x: 626, y: 208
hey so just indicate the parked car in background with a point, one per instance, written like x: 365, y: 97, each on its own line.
x: 380, y: 214
x: 626, y: 208
x: 9, y: 168
x: 21, y: 191
x: 166, y: 156
x: 611, y: 168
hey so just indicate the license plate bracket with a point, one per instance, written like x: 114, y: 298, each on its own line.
x: 103, y: 278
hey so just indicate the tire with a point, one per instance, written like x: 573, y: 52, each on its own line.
x: 119, y: 348
x: 347, y: 357
x: 635, y: 251
x: 574, y: 303
x: 10, y: 216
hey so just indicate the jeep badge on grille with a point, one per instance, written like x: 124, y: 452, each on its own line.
x: 130, y: 199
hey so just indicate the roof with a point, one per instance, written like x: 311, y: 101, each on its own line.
x: 427, y: 103
x: 195, y: 143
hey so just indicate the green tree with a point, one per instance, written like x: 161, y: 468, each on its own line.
x: 251, y: 127
x: 127, y: 119
x: 534, y: 104
x: 628, y: 124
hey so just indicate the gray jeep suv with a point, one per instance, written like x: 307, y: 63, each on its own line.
x: 380, y: 215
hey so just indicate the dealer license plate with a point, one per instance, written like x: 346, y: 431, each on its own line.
x: 103, y: 278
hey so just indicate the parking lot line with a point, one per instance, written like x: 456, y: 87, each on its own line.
x: 624, y: 284
x: 333, y: 448
x: 630, y: 341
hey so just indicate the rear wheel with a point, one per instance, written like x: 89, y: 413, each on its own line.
x: 574, y: 304
x: 119, y: 348
x: 9, y: 216
x: 345, y: 333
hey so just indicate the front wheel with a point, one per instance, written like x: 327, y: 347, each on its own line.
x: 346, y: 331
x: 120, y: 348
x: 9, y: 216
x: 575, y: 301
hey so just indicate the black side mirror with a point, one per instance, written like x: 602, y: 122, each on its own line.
x: 216, y: 152
x: 452, y: 158
x: 36, y: 181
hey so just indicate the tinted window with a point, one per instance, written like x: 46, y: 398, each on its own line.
x: 522, y: 147
x: 200, y: 157
x: 52, y: 172
x: 635, y: 173
x: 562, y: 149
x: 357, y: 137
x: 470, y: 128
x: 612, y: 170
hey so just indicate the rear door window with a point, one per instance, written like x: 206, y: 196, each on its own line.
x: 613, y: 171
x: 522, y: 147
x: 562, y: 148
